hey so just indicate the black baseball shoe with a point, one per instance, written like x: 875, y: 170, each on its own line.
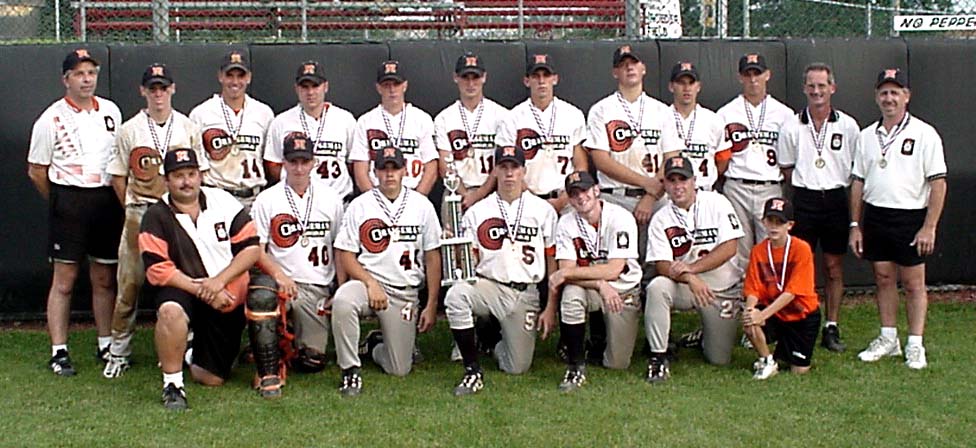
x: 574, y: 378
x: 352, y: 382
x: 658, y: 370
x: 471, y: 383
x: 372, y: 339
x: 692, y: 339
x: 60, y: 364
x: 830, y: 339
x: 102, y: 354
x: 174, y: 398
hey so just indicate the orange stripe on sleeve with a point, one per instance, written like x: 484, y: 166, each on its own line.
x: 551, y: 251
x: 248, y: 231
x: 154, y: 245
x: 160, y: 273
x: 723, y: 155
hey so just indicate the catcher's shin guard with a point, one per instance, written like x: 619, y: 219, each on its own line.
x: 263, y: 315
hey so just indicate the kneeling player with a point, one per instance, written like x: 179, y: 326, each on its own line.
x: 780, y: 297
x: 596, y: 248
x: 388, y: 241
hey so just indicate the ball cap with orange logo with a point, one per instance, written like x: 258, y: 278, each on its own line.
x: 539, y: 62
x: 390, y: 154
x: 77, y: 57
x: 298, y: 147
x: 778, y: 208
x: 390, y: 71
x: 678, y: 165
x: 684, y: 68
x: 157, y: 74
x: 469, y: 63
x: 177, y: 159
x: 623, y: 52
x: 894, y: 75
x: 511, y: 154
x: 235, y: 59
x: 310, y: 71
x: 752, y: 61
x: 580, y: 180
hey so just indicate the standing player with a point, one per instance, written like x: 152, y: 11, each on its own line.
x: 71, y: 144
x: 897, y: 195
x: 140, y: 146
x: 197, y: 245
x: 548, y: 130
x: 815, y: 152
x: 466, y: 130
x: 700, y: 130
x: 297, y: 221
x: 692, y: 243
x: 329, y: 128
x: 752, y: 124
x: 513, y: 231
x: 596, y: 248
x: 389, y: 245
x: 394, y: 122
x: 233, y: 126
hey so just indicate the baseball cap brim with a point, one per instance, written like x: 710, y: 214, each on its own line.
x: 313, y: 78
x: 230, y: 67
x: 307, y: 155
x: 391, y: 77
x: 752, y: 66
x: 626, y: 56
x: 892, y: 81
x: 471, y: 71
x: 157, y: 80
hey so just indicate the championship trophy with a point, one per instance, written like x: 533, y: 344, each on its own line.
x: 457, y: 258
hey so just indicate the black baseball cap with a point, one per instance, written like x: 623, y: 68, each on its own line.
x: 684, y: 68
x: 752, y: 61
x: 469, y: 63
x: 678, y: 165
x: 895, y: 75
x: 157, y: 73
x: 390, y: 154
x: 310, y: 71
x: 77, y: 57
x: 509, y: 153
x: 778, y: 208
x: 180, y: 158
x: 298, y: 146
x: 624, y: 51
x: 539, y: 62
x: 580, y: 180
x: 235, y: 59
x: 390, y: 71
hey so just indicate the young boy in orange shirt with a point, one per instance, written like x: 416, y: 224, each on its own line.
x: 781, y: 302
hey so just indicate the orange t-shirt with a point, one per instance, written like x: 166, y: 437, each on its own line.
x: 761, y: 278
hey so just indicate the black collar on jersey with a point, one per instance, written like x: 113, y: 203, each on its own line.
x: 203, y: 203
x: 805, y: 117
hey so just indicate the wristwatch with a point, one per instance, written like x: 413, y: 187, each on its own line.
x: 854, y: 224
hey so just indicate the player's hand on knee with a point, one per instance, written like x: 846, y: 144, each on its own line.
x: 377, y: 297
x: 611, y: 298
x: 428, y: 317
x: 209, y: 288
x: 547, y: 322
x: 677, y: 269
x: 703, y: 296
x: 644, y: 209
x: 287, y: 288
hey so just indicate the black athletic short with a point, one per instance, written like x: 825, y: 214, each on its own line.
x: 216, y: 335
x: 888, y: 234
x: 824, y: 216
x: 84, y: 221
x: 795, y: 340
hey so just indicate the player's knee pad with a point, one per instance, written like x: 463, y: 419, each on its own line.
x: 309, y: 361
x: 262, y: 294
x: 263, y: 318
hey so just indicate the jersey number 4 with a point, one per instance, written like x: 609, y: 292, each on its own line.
x: 319, y: 256
x: 407, y: 263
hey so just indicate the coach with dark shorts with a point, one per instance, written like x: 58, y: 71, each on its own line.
x: 899, y: 184
x: 197, y: 245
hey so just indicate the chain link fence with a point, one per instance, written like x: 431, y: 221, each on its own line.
x: 345, y: 20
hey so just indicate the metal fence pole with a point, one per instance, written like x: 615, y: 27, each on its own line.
x: 897, y: 5
x: 745, y: 18
x: 521, y: 18
x: 304, y: 20
x: 632, y: 17
x: 721, y: 17
x: 83, y: 12
x: 57, y: 20
x: 160, y: 21
x: 867, y: 16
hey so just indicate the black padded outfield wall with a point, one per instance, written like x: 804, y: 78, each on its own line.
x: 940, y: 72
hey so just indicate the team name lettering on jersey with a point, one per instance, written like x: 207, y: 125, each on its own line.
x: 493, y: 231
x: 463, y: 147
x: 621, y: 136
x: 378, y: 140
x: 219, y: 143
x: 741, y: 136
x: 531, y: 142
x: 285, y: 230
x: 145, y: 163
x: 376, y: 235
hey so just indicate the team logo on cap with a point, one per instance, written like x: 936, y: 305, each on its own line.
x: 285, y: 230
x: 144, y: 163
x: 908, y: 146
x: 82, y: 53
x: 182, y: 155
x: 836, y: 142
x: 235, y: 58
x: 492, y: 233
x: 460, y: 145
x: 217, y: 143
x: 541, y: 58
x: 677, y: 162
x: 389, y: 152
x: 375, y: 235
x: 575, y: 177
x: 299, y: 143
x: 620, y: 135
x: 624, y: 49
x: 309, y: 69
x: 679, y: 240
x: 529, y: 141
x: 390, y: 68
x: 471, y: 61
x: 157, y: 71
x: 686, y: 66
x: 777, y: 205
x: 752, y: 58
x: 891, y: 73
x: 739, y: 135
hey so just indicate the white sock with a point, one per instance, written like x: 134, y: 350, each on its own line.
x: 830, y: 323
x: 104, y: 341
x: 914, y: 340
x: 889, y: 332
x: 174, y: 378
x: 55, y: 348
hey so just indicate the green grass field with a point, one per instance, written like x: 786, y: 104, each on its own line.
x: 842, y: 402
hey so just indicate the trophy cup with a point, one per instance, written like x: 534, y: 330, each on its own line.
x: 457, y: 258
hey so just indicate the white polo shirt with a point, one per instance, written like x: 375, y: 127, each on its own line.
x: 75, y: 144
x: 828, y: 167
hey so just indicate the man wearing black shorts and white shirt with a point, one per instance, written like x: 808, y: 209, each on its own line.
x: 897, y: 195
x: 815, y: 152
x: 71, y: 144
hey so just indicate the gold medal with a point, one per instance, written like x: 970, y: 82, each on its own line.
x: 820, y: 162
x: 883, y: 163
x: 304, y: 240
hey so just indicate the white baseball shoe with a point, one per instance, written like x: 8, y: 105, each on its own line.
x: 915, y: 357
x: 116, y: 366
x: 764, y: 368
x: 879, y: 348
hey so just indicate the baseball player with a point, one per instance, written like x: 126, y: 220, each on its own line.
x: 700, y: 130
x: 70, y: 146
x: 140, y: 146
x: 752, y: 123
x: 692, y: 243
x: 233, y: 126
x: 548, y: 130
x: 394, y: 122
x: 513, y: 231
x: 596, y: 248
x: 466, y: 130
x: 329, y: 127
x: 389, y: 245
x: 197, y: 245
x: 297, y: 221
x: 816, y: 148
x: 897, y: 195
x: 780, y: 298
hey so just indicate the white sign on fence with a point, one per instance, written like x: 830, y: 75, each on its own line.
x: 935, y: 23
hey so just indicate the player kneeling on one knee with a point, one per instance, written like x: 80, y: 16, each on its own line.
x: 780, y: 299
x: 596, y: 248
x: 388, y: 243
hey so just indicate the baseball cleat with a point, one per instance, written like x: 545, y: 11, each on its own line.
x: 830, y: 339
x: 471, y: 383
x: 658, y: 370
x: 269, y: 386
x: 915, y: 357
x: 174, y: 398
x: 352, y: 382
x: 574, y: 378
x: 372, y: 339
x: 102, y: 354
x: 764, y: 368
x: 879, y: 348
x: 116, y: 366
x: 692, y: 339
x: 60, y: 364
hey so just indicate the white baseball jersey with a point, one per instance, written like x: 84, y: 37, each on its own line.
x: 140, y: 147
x: 914, y: 157
x: 675, y: 234
x: 829, y: 166
x: 391, y: 237
x: 753, y: 140
x: 548, y: 138
x: 333, y: 136
x: 307, y: 256
x: 637, y: 134
x: 474, y: 154
x: 411, y: 130
x: 506, y: 258
x: 701, y: 135
x: 614, y: 238
x: 75, y: 144
x: 234, y: 142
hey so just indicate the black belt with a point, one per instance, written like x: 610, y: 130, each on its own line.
x: 245, y: 192
x: 756, y: 182
x: 550, y: 195
x: 516, y: 286
x: 348, y: 198
x: 631, y: 192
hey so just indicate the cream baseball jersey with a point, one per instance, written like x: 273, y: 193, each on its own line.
x: 821, y: 160
x: 412, y: 130
x: 75, y: 144
x: 701, y: 134
x: 614, y: 238
x: 548, y: 138
x: 752, y: 134
x: 233, y: 141
x: 470, y: 137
